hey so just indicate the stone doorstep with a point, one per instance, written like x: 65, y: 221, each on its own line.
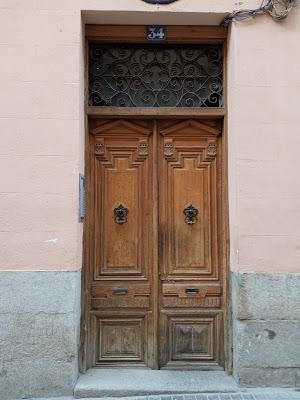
x: 143, y: 382
x: 246, y: 394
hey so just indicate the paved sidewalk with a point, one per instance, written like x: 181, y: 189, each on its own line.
x: 247, y: 394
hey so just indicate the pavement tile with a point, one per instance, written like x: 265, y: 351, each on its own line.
x: 261, y: 396
x: 181, y: 397
x: 189, y: 397
x: 201, y: 397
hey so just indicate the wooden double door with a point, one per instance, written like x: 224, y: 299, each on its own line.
x: 156, y: 272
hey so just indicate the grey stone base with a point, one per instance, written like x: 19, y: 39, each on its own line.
x: 39, y: 333
x: 266, y: 329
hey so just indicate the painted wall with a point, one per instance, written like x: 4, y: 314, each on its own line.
x: 42, y: 129
x: 264, y: 162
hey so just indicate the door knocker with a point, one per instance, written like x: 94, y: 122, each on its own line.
x: 190, y: 213
x: 120, y: 214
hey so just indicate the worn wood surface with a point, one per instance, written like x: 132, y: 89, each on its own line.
x: 191, y: 317
x: 122, y: 273
x: 156, y: 282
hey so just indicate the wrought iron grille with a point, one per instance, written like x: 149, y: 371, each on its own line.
x: 155, y: 76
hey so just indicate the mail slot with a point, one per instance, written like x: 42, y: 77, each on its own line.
x: 120, y: 291
x: 191, y: 290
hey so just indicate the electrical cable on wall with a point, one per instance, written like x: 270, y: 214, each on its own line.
x: 277, y: 9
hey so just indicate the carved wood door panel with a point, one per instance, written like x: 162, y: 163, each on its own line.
x: 191, y: 317
x: 155, y: 277
x: 122, y: 243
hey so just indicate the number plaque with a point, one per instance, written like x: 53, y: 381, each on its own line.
x: 156, y: 33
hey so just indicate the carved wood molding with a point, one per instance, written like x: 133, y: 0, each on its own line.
x: 99, y: 147
x: 210, y: 152
x: 136, y: 154
x: 193, y: 127
x: 119, y: 127
x: 168, y: 148
x: 171, y: 153
x: 143, y: 148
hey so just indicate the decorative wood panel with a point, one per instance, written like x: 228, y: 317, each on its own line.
x: 123, y: 162
x: 192, y: 340
x: 121, y: 296
x: 189, y: 172
x: 191, y: 334
x: 190, y: 296
x: 120, y: 339
x: 121, y: 305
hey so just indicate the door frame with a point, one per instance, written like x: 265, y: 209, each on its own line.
x: 137, y: 34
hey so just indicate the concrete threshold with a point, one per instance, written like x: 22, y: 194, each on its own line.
x: 143, y: 382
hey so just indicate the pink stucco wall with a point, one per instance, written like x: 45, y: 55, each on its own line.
x: 264, y: 138
x: 42, y: 129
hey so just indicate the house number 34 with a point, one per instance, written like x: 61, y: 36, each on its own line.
x: 156, y: 33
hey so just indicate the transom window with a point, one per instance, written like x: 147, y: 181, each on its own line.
x: 155, y: 76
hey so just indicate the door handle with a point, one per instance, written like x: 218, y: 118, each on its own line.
x: 120, y: 291
x: 192, y: 290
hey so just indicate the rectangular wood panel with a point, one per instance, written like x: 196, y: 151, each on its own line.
x: 120, y: 339
x: 121, y: 296
x: 195, y: 295
x: 190, y: 187
x: 188, y: 168
x: 123, y: 162
x: 191, y: 340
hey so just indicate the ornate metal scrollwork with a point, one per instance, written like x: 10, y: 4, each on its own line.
x: 190, y: 213
x: 135, y: 75
x: 120, y: 214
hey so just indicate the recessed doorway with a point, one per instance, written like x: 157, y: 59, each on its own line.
x: 155, y: 228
